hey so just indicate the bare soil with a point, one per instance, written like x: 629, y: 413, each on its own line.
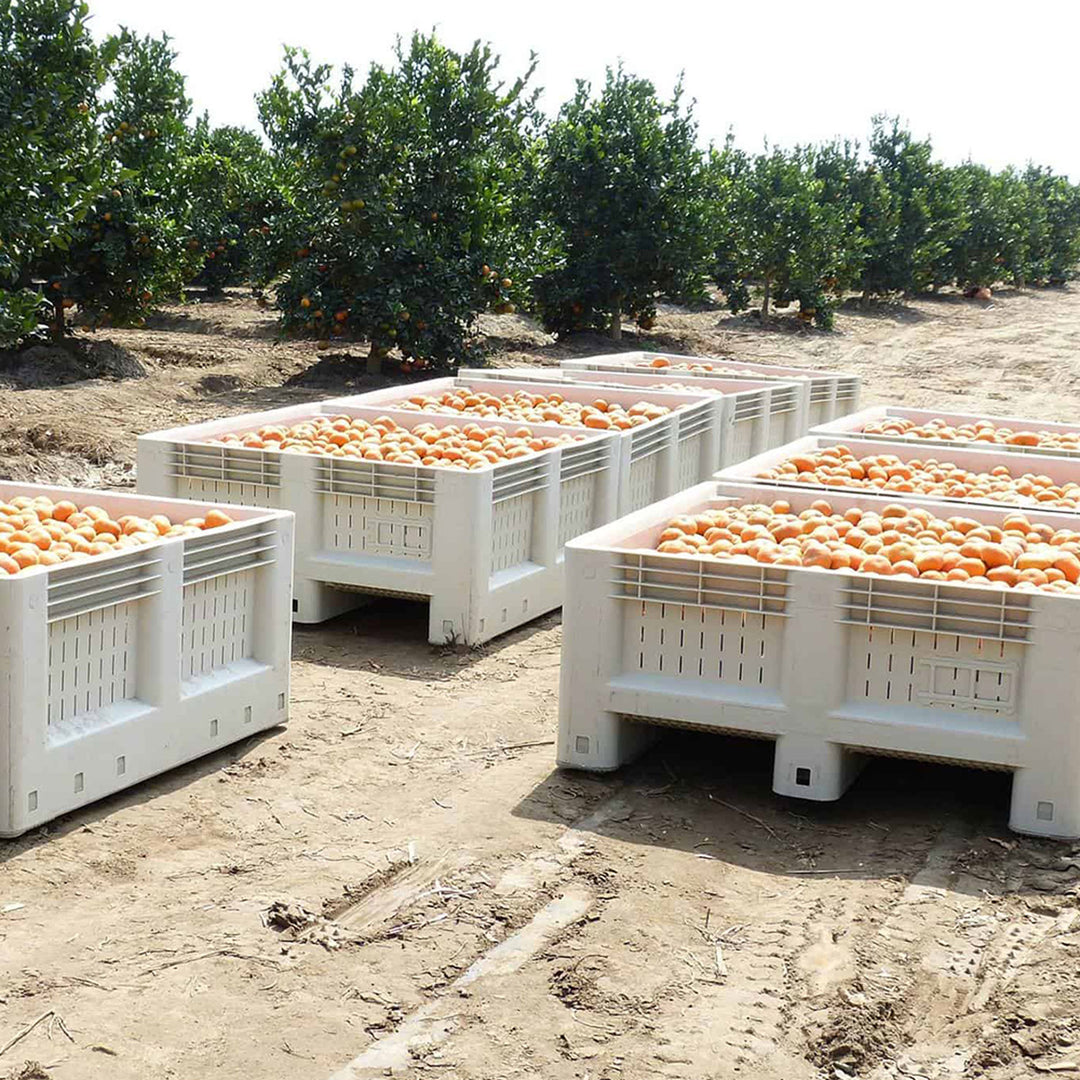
x: 401, y: 879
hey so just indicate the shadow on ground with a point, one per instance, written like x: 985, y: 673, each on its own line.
x: 711, y: 796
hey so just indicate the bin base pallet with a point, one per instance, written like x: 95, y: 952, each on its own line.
x: 807, y: 768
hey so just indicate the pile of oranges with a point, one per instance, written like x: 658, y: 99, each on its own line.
x: 980, y: 431
x: 534, y: 408
x: 383, y: 439
x: 896, y: 540
x: 837, y: 466
x: 39, y: 532
x: 697, y: 367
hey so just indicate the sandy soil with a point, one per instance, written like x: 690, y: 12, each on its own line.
x: 402, y: 880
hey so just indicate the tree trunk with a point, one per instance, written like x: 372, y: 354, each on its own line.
x: 56, y: 327
x: 375, y: 358
x: 765, y: 301
x: 616, y: 319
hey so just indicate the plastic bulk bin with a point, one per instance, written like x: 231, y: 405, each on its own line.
x: 977, y: 457
x: 830, y: 665
x: 655, y: 459
x: 831, y: 393
x: 853, y: 424
x: 483, y: 547
x: 756, y: 414
x: 119, y: 667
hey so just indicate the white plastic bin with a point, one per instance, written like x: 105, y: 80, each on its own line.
x: 977, y: 457
x: 484, y: 547
x: 122, y: 666
x: 853, y: 424
x: 756, y: 414
x: 831, y: 393
x: 831, y: 665
x: 655, y: 459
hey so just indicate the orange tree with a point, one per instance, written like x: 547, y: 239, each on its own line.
x: 401, y: 200
x: 774, y: 226
x: 129, y: 249
x: 228, y: 178
x: 50, y: 156
x: 1053, y: 227
x: 620, y: 181
x: 910, y: 248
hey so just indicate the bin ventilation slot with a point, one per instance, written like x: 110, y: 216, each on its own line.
x: 649, y: 440
x: 724, y: 586
x: 939, y: 609
x: 821, y: 390
x: 784, y: 399
x: 847, y: 389
x: 751, y: 404
x: 208, y: 461
x: 512, y: 481
x: 87, y: 587
x: 935, y: 671
x: 374, y: 479
x: 695, y: 420
x: 228, y: 552
x: 584, y: 461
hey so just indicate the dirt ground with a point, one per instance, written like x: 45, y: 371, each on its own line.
x: 401, y: 883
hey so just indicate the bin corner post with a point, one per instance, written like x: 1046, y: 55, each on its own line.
x: 545, y: 523
x: 623, y: 463
x: 24, y: 701
x: 606, y: 506
x: 668, y: 467
x: 305, y: 489
x: 726, y: 446
x: 161, y: 632
x: 1046, y: 787
x: 591, y: 737
x: 154, y: 474
x: 807, y: 764
x: 711, y: 443
x: 273, y: 632
x: 461, y: 538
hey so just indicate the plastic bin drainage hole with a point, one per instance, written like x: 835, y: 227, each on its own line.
x: 802, y: 777
x: 213, y: 728
x: 581, y: 744
x: 31, y: 801
x: 1045, y: 811
x: 281, y: 701
x: 78, y: 782
x: 121, y: 765
x: 247, y: 714
x: 295, y: 604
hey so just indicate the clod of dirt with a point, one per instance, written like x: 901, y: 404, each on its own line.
x: 305, y: 927
x: 29, y: 1070
x: 218, y: 384
x: 55, y: 365
x: 857, y: 1039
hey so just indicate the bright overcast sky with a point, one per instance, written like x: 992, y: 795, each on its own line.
x: 993, y: 81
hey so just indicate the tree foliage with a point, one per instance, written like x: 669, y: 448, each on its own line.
x: 779, y: 228
x: 403, y: 198
x: 620, y: 179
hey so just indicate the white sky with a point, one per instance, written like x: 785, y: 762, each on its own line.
x: 996, y: 81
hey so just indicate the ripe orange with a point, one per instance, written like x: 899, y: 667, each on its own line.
x: 889, y: 540
x: 466, y: 447
x: 38, y: 532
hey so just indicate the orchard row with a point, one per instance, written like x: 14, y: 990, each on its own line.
x: 396, y: 207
